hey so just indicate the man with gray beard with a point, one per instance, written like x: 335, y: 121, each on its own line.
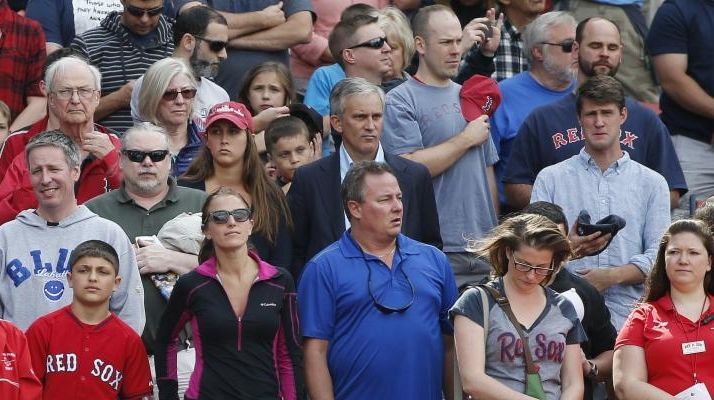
x: 551, y: 133
x: 547, y: 45
x: 200, y: 37
x: 147, y: 199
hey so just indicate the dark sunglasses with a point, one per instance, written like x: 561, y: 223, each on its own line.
x: 221, y: 216
x: 187, y: 94
x: 139, y: 12
x: 566, y: 45
x: 375, y: 43
x: 214, y: 45
x: 138, y: 156
x: 389, y: 309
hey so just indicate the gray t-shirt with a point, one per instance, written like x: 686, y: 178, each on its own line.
x: 419, y: 116
x: 556, y: 327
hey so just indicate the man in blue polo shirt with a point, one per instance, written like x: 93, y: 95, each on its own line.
x: 374, y: 305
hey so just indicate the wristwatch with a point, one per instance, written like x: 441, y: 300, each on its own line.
x: 593, y: 369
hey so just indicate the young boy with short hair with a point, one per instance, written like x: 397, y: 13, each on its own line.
x: 289, y: 146
x: 83, y: 351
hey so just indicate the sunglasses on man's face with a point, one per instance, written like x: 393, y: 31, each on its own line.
x: 171, y: 95
x: 566, y: 45
x: 138, y: 156
x: 215, y: 45
x: 375, y: 43
x: 139, y: 12
x: 221, y: 216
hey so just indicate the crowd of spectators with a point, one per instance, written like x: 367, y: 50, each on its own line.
x: 339, y: 199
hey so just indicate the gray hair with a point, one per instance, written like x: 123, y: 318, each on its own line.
x: 58, y: 139
x: 69, y: 63
x: 143, y: 127
x: 537, y: 31
x: 353, y: 185
x: 349, y: 87
x: 156, y: 80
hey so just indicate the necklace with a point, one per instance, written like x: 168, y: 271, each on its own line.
x: 383, y: 256
x: 387, y: 254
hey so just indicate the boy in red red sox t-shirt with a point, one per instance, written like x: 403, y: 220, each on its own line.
x: 83, y: 351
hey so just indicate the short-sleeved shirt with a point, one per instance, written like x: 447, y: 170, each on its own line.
x: 520, y: 94
x: 240, y: 61
x: 686, y: 27
x: 63, y: 19
x: 317, y: 94
x: 626, y: 188
x: 556, y: 327
x: 418, y: 116
x: 551, y: 134
x: 372, y: 354
x: 75, y: 360
x: 660, y: 331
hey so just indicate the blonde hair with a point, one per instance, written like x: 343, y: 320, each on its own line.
x: 395, y: 25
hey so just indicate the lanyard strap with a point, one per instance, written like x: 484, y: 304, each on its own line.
x: 686, y: 336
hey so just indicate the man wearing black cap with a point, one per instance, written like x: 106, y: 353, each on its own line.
x: 603, y: 180
x: 318, y: 215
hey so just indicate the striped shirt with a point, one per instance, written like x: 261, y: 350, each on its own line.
x: 122, y: 56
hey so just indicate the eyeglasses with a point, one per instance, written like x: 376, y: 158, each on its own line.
x: 66, y: 94
x: 221, y: 216
x: 139, y: 12
x: 215, y: 45
x: 138, y: 156
x: 171, y: 95
x: 375, y: 43
x: 388, y: 309
x: 524, y: 267
x: 566, y: 45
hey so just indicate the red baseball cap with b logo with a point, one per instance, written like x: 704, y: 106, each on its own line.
x: 479, y: 95
x: 231, y: 111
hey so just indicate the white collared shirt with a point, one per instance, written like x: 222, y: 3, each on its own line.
x: 346, y: 163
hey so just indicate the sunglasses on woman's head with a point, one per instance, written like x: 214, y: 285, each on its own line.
x: 139, y: 12
x: 221, y: 216
x: 215, y: 45
x: 375, y: 43
x: 138, y: 156
x: 187, y: 94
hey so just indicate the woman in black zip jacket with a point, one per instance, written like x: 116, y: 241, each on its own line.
x: 243, y: 314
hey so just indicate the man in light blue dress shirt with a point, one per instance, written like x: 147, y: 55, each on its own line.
x: 603, y: 180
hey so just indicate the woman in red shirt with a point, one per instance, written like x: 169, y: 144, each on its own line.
x: 666, y: 347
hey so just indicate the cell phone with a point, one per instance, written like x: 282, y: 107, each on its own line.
x: 147, y: 241
x: 489, y: 31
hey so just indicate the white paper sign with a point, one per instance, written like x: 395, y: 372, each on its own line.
x: 695, y: 392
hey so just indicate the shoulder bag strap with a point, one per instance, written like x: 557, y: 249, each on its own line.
x: 502, y: 301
